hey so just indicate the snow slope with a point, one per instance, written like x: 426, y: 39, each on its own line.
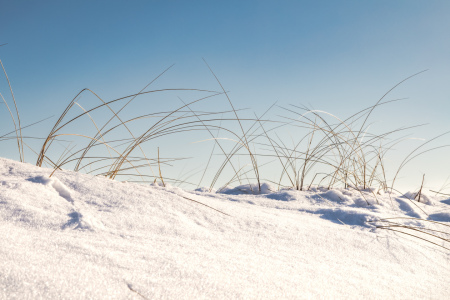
x: 74, y: 236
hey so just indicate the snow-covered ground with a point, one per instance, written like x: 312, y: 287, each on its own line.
x: 74, y: 236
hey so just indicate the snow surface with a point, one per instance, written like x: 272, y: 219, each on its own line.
x: 74, y: 236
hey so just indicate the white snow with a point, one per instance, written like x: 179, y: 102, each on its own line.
x: 75, y: 236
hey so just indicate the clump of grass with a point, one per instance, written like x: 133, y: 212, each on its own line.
x: 355, y: 160
x: 120, y: 151
x: 338, y: 152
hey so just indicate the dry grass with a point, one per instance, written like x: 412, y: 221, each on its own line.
x: 15, y: 119
x: 432, y: 232
x: 332, y: 152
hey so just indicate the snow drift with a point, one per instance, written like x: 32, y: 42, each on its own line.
x: 75, y: 236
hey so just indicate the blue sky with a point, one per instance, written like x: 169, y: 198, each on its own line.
x: 338, y: 56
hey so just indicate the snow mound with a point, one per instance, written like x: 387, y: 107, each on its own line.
x: 415, y: 196
x: 252, y: 189
x: 59, y: 187
x: 440, y: 217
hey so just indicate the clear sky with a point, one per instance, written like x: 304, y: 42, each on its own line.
x: 337, y: 56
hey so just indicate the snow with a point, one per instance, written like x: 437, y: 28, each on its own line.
x: 75, y: 236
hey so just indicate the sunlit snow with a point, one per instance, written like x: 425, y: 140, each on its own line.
x: 75, y: 236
